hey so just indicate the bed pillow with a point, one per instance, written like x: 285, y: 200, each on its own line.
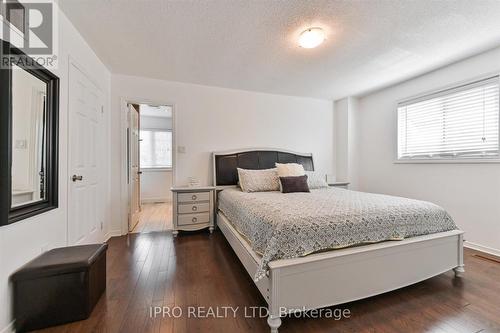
x: 294, y: 184
x: 288, y: 170
x: 316, y: 180
x: 258, y: 180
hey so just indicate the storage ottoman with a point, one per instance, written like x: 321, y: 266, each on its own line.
x: 59, y: 286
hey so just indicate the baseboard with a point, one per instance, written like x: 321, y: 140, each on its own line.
x: 9, y: 328
x: 155, y: 200
x: 482, y: 248
x: 112, y: 233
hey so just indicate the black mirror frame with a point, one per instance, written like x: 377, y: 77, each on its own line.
x: 8, y: 213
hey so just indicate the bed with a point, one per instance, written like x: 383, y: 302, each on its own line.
x: 335, y: 238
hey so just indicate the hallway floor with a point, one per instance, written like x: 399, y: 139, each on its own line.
x: 155, y: 217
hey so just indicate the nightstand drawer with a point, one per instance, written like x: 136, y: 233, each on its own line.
x: 193, y: 196
x: 193, y: 218
x: 193, y: 208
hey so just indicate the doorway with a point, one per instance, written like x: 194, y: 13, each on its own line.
x: 150, y: 167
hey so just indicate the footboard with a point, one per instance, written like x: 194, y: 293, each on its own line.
x: 341, y: 276
x: 346, y: 275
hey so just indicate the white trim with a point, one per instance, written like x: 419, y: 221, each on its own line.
x: 448, y: 161
x: 124, y: 101
x: 482, y: 248
x: 112, y: 233
x: 162, y: 169
x: 9, y: 328
x: 154, y: 129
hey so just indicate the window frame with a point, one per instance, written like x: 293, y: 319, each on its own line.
x: 444, y: 160
x: 159, y: 168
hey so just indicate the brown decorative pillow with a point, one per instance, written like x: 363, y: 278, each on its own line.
x: 294, y: 184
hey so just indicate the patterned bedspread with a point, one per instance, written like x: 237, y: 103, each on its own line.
x: 283, y: 226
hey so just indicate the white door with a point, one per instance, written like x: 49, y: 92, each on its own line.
x: 86, y: 183
x: 134, y: 167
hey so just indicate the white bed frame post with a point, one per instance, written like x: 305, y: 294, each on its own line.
x: 274, y: 320
x: 460, y: 269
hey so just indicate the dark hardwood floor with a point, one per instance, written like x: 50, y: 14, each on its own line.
x: 153, y: 269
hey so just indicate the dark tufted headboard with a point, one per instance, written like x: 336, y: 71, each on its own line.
x: 225, y: 163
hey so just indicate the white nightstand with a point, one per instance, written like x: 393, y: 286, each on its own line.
x: 340, y: 184
x: 193, y: 208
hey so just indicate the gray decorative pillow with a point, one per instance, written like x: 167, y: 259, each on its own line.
x: 294, y: 184
x: 316, y: 180
x: 258, y: 180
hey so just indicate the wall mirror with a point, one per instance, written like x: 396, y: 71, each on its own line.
x: 29, y: 142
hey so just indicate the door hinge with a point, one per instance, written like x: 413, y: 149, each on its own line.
x: 102, y: 225
x: 102, y: 109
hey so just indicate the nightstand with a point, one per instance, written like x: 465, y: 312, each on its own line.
x: 193, y: 208
x: 340, y: 184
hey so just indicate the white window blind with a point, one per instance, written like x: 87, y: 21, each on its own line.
x: 156, y: 148
x: 457, y: 123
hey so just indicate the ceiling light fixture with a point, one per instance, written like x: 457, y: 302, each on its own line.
x: 311, y: 38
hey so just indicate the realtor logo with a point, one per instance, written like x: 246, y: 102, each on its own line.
x: 31, y: 27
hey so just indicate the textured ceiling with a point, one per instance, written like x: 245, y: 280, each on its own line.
x: 252, y: 45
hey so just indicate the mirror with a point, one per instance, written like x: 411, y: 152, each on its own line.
x: 28, y: 137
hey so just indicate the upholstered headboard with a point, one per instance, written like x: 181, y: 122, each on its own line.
x: 225, y: 163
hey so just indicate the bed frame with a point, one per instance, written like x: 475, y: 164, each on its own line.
x: 339, y: 276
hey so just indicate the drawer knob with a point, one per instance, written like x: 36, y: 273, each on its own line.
x: 194, y: 197
x: 194, y: 208
x: 194, y: 219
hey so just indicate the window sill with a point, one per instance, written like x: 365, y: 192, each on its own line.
x: 155, y: 169
x: 450, y: 161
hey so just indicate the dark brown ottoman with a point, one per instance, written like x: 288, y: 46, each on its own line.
x: 59, y: 286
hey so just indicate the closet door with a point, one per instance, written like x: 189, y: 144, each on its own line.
x: 86, y: 168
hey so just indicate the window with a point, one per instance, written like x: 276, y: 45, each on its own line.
x: 458, y: 123
x: 156, y: 148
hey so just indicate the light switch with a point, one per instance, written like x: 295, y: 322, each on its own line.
x: 181, y: 149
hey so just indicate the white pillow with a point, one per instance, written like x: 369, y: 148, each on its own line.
x: 258, y: 180
x: 288, y: 170
x: 316, y: 180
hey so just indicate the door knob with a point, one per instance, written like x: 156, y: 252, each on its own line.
x: 75, y: 178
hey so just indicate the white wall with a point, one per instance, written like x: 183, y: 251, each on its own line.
x: 22, y: 241
x: 156, y: 184
x: 209, y: 118
x: 341, y: 147
x: 469, y: 192
x: 346, y: 141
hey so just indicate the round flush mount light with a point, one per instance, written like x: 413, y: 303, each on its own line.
x: 311, y: 38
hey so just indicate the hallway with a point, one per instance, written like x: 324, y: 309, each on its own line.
x: 154, y: 217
